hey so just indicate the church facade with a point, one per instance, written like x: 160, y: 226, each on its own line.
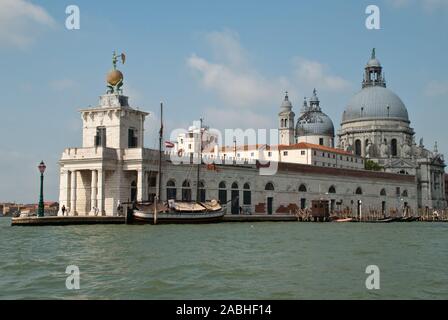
x: 112, y: 166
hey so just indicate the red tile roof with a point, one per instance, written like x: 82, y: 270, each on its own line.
x: 306, y: 145
x: 297, y: 146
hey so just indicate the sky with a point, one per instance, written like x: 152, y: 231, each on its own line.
x: 229, y: 62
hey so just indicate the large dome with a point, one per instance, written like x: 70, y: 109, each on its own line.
x: 375, y: 102
x: 314, y: 123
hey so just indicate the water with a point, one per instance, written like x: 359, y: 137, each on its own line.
x: 225, y: 261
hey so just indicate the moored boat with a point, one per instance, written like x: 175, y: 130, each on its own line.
x: 179, y: 213
x: 344, y: 220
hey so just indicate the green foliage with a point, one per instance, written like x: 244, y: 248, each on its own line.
x: 372, y: 166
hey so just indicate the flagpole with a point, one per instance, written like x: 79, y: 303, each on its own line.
x: 198, y: 196
x: 160, y: 151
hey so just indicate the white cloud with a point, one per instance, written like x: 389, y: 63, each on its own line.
x: 436, y: 88
x: 19, y: 21
x: 240, y: 89
x: 313, y: 73
x: 238, y: 84
x: 231, y: 118
x: 226, y: 47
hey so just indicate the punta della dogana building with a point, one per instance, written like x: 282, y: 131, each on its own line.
x: 112, y: 165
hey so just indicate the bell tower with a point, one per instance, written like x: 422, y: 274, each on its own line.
x: 286, y: 118
x: 373, y: 75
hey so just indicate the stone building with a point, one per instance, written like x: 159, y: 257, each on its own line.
x: 376, y: 125
x: 112, y: 166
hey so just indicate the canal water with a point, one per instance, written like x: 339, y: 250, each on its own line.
x: 225, y: 261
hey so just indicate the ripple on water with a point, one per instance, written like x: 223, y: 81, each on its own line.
x: 225, y: 261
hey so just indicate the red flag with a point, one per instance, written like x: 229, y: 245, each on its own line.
x: 169, y: 144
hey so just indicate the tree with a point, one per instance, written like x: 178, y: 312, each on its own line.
x: 372, y: 166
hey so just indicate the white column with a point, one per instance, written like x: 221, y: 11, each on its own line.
x: 141, y: 185
x: 73, y: 178
x: 93, y: 192
x: 64, y: 188
x: 101, y: 188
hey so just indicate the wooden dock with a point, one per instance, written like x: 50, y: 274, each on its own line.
x: 259, y: 218
x: 64, y: 221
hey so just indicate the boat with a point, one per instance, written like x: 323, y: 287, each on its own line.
x: 386, y: 220
x: 179, y: 212
x: 344, y: 220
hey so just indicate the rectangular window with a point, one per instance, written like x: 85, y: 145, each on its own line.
x: 269, y: 154
x: 100, y: 138
x: 132, y: 139
x: 303, y: 203
x: 247, y: 199
x: 321, y: 141
x: 285, y: 153
x: 315, y: 153
x: 302, y: 152
x: 397, y: 191
x: 152, y: 179
x: 189, y: 147
x: 328, y: 155
x: 222, y: 195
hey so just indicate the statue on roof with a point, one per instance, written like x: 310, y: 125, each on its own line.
x: 115, y: 77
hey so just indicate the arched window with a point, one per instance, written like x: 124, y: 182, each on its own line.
x: 269, y: 186
x: 405, y: 193
x: 235, y: 185
x: 171, y: 190
x: 202, y: 194
x: 383, y: 192
x: 222, y: 192
x: 359, y: 190
x: 247, y: 195
x: 332, y: 189
x: 302, y: 188
x: 186, y: 191
x: 358, y: 147
x: 133, y: 191
x: 393, y: 147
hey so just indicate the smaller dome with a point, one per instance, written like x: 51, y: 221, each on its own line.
x: 314, y: 123
x: 286, y: 105
x: 374, y: 63
x: 114, y: 77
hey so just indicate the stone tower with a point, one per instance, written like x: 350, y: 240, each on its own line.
x: 286, y: 126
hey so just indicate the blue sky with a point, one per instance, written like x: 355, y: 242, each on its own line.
x: 228, y: 61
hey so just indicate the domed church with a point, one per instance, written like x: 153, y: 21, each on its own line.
x: 375, y: 124
x: 313, y: 125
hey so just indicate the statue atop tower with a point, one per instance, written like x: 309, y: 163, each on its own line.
x: 115, y: 77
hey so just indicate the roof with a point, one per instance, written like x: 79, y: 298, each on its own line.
x: 375, y: 103
x: 246, y: 147
x: 306, y: 145
x: 297, y: 146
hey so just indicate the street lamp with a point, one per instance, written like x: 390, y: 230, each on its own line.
x: 40, y: 210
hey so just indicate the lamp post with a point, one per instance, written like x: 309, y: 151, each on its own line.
x: 40, y: 210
